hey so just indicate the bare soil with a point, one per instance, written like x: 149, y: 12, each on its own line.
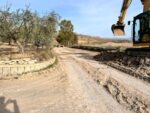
x: 71, y: 86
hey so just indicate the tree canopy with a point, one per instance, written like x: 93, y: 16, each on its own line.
x: 66, y: 35
x: 24, y: 27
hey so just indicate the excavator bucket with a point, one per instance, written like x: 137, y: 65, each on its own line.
x: 118, y: 30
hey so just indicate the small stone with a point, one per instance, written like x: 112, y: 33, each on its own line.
x: 142, y: 61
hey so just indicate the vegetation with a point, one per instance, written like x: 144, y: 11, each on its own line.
x: 25, y: 27
x: 95, y: 40
x: 66, y: 35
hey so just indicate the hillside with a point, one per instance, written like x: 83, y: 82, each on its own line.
x: 94, y: 40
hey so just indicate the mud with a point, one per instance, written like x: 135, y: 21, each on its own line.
x: 137, y: 66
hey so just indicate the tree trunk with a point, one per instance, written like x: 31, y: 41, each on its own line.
x: 21, y: 48
x: 9, y: 41
x: 26, y: 42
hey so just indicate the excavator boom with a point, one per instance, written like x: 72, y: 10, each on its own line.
x: 118, y: 29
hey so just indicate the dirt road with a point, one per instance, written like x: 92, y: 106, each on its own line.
x: 68, y: 87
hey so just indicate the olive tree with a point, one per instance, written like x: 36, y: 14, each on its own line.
x: 47, y: 28
x: 10, y: 25
x: 24, y: 27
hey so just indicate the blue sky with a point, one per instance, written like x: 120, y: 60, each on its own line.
x: 91, y: 17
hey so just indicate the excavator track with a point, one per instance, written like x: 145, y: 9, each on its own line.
x: 138, y: 51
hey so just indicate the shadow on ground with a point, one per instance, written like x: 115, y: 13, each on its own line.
x: 4, y: 103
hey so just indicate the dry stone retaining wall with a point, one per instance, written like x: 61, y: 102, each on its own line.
x: 17, y: 69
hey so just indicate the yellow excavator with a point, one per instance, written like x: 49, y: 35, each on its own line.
x: 141, y: 24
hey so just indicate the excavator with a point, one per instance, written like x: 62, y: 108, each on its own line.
x: 141, y: 24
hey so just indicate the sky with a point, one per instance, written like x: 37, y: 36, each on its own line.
x: 90, y: 17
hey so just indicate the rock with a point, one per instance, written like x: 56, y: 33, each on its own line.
x: 112, y: 89
x: 141, y: 61
x: 147, y: 61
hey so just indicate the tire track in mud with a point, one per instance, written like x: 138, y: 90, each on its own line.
x: 131, y: 98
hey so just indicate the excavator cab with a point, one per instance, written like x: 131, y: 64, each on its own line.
x: 141, y: 29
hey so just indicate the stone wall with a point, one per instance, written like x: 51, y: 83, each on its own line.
x: 17, y: 69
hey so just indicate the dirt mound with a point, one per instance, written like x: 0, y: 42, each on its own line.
x: 135, y: 65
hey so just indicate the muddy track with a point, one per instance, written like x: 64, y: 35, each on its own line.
x: 133, y: 72
x: 133, y: 98
x: 137, y: 66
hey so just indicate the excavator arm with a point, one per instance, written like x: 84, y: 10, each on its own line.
x: 118, y: 28
x: 146, y: 4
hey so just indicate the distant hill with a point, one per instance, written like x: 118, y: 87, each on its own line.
x: 94, y: 40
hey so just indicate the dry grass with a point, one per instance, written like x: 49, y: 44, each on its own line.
x: 92, y: 40
x: 9, y: 52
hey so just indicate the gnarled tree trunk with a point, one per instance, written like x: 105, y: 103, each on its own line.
x: 21, y: 48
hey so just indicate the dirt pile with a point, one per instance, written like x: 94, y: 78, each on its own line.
x: 138, y: 66
x: 136, y: 103
x: 122, y: 87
